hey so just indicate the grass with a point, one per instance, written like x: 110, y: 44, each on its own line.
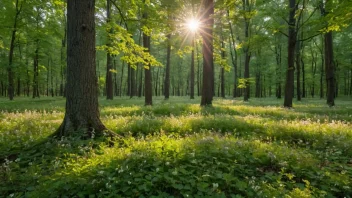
x: 178, y: 149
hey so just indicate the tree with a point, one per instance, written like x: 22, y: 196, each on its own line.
x: 292, y: 34
x: 329, y: 59
x: 11, y: 89
x: 148, y: 88
x: 109, y: 61
x: 208, y: 62
x: 82, y: 112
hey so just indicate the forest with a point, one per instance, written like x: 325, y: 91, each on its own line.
x: 175, y: 98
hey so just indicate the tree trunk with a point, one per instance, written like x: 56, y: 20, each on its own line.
x: 208, y: 62
x: 298, y: 74
x: 222, y: 71
x: 192, y: 68
x: 247, y: 53
x: 82, y: 112
x: 289, y: 88
x: 10, y: 86
x: 329, y: 63
x: 234, y: 57
x: 109, y: 64
x: 36, y: 72
x: 62, y: 60
x: 278, y: 55
x: 148, y: 88
x: 167, y: 69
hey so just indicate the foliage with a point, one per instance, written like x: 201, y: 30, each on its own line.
x: 179, y: 149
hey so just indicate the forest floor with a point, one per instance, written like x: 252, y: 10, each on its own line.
x: 178, y: 149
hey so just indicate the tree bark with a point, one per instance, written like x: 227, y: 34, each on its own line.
x: 109, y: 63
x: 35, y: 71
x: 222, y: 71
x: 246, y: 8
x: 148, y: 88
x: 292, y: 35
x: 208, y: 61
x: 167, y: 69
x: 329, y: 62
x: 234, y: 57
x: 10, y: 86
x: 82, y: 112
x: 298, y: 67
x: 192, y: 68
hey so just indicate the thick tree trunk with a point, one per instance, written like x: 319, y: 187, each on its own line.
x: 289, y: 88
x: 208, y: 62
x: 148, y: 88
x: 82, y: 112
x: 329, y: 62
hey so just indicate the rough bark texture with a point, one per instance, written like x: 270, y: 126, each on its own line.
x: 109, y: 62
x: 208, y: 62
x: 82, y: 112
x: 148, y: 88
x: 167, y: 69
x: 289, y: 88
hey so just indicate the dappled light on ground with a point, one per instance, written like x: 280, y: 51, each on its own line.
x: 176, y: 148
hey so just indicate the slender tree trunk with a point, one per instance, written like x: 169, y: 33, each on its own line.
x: 199, y: 78
x: 35, y: 71
x: 208, y: 62
x: 289, y: 88
x: 12, y: 47
x: 247, y: 53
x: 234, y: 56
x: 167, y: 69
x: 47, y: 78
x: 278, y: 53
x: 109, y: 64
x: 192, y: 68
x: 62, y: 60
x: 82, y: 112
x: 298, y: 74
x: 222, y: 71
x: 140, y: 88
x: 351, y: 82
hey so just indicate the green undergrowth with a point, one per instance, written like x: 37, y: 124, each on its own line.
x: 178, y: 149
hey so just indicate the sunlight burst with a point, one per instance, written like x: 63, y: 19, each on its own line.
x: 193, y: 25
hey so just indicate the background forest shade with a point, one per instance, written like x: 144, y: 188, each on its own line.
x: 39, y: 47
